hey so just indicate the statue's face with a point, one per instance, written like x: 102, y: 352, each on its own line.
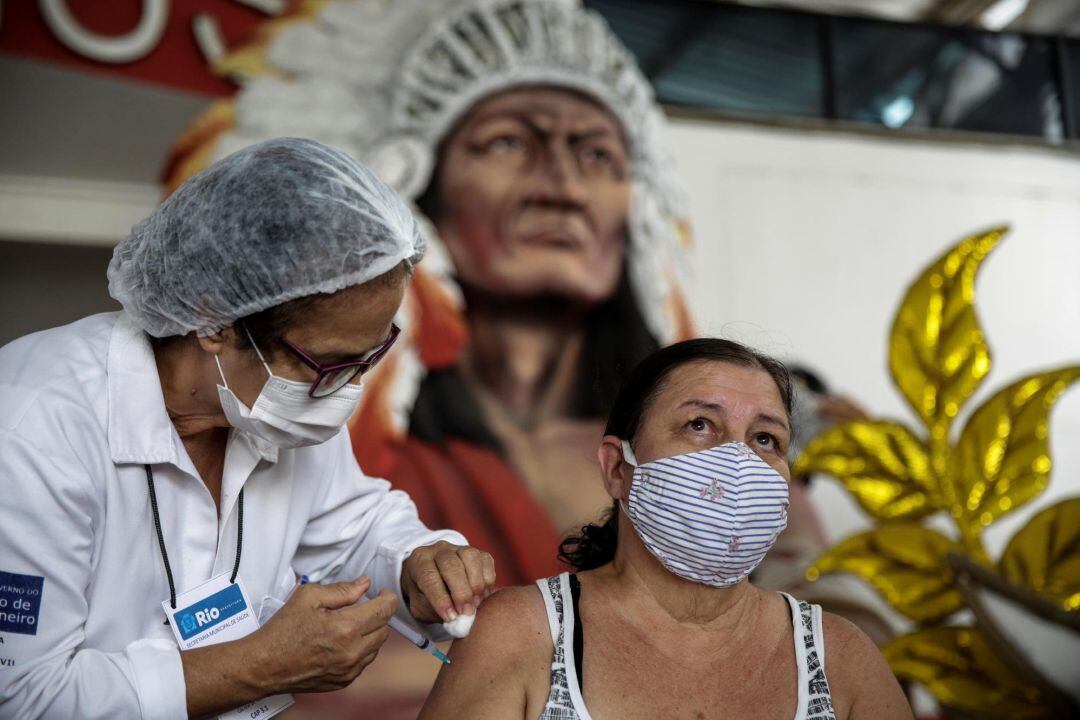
x: 534, y: 193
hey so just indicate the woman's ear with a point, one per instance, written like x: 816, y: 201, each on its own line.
x: 617, y: 473
x: 215, y: 343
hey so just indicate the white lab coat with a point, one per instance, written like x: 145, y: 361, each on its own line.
x: 81, y: 412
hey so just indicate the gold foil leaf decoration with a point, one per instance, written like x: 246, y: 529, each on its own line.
x: 905, y: 562
x: 883, y: 464
x: 958, y: 666
x: 1002, y: 459
x: 937, y: 352
x: 938, y: 358
x: 1045, y: 554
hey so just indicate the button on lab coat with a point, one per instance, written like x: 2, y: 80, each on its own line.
x: 81, y: 413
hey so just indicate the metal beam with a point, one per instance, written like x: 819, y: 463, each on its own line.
x: 958, y: 11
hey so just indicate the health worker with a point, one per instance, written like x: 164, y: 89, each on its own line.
x: 170, y: 472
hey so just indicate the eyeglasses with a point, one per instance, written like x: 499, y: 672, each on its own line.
x: 331, y: 378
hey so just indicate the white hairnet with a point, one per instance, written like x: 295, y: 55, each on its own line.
x: 276, y: 221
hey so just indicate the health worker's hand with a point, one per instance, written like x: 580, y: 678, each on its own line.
x: 441, y: 581
x: 322, y: 638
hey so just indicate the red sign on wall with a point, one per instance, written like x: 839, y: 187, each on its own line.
x: 144, y: 40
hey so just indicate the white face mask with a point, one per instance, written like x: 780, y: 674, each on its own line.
x: 708, y: 516
x: 285, y: 415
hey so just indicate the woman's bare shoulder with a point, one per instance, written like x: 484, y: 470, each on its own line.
x: 502, y: 669
x: 860, y: 681
x: 511, y: 629
x: 517, y: 610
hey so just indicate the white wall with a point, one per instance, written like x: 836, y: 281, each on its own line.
x: 806, y: 241
x: 56, y: 239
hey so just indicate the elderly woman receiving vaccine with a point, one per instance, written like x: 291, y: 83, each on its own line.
x: 659, y: 619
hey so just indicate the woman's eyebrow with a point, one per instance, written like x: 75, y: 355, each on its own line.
x: 331, y: 357
x: 773, y: 420
x: 705, y: 405
x: 334, y: 358
x: 721, y: 410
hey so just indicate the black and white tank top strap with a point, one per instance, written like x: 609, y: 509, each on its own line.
x: 564, y: 701
x: 815, y: 700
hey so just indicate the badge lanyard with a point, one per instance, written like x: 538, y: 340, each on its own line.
x: 161, y: 536
x: 214, y: 611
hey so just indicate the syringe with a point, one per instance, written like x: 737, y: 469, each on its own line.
x: 408, y: 633
x: 417, y: 639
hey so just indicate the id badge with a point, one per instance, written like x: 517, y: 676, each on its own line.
x: 214, y: 612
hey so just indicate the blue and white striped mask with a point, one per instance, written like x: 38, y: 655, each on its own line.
x: 708, y: 516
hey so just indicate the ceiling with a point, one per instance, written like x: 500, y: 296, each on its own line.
x: 1050, y: 17
x: 125, y: 129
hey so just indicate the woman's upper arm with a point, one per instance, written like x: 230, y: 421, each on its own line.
x: 862, y: 684
x: 505, y: 659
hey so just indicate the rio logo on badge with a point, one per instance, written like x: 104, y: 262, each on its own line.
x: 199, y: 618
x: 210, y: 611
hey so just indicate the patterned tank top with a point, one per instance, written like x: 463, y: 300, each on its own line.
x: 565, y: 700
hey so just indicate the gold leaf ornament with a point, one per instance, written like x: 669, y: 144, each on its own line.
x: 962, y: 671
x: 1045, y: 554
x: 883, y: 464
x: 937, y: 353
x: 1002, y: 459
x: 938, y: 358
x: 905, y: 562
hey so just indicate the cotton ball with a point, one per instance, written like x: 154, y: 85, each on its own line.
x: 460, y: 626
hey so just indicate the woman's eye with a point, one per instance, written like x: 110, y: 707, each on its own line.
x: 698, y: 424
x: 766, y: 440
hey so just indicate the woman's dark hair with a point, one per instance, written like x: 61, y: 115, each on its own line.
x: 270, y: 325
x: 595, y: 544
x: 813, y: 382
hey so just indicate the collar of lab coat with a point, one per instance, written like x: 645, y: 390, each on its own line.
x: 140, y: 430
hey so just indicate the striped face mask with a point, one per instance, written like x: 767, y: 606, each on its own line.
x: 708, y: 516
